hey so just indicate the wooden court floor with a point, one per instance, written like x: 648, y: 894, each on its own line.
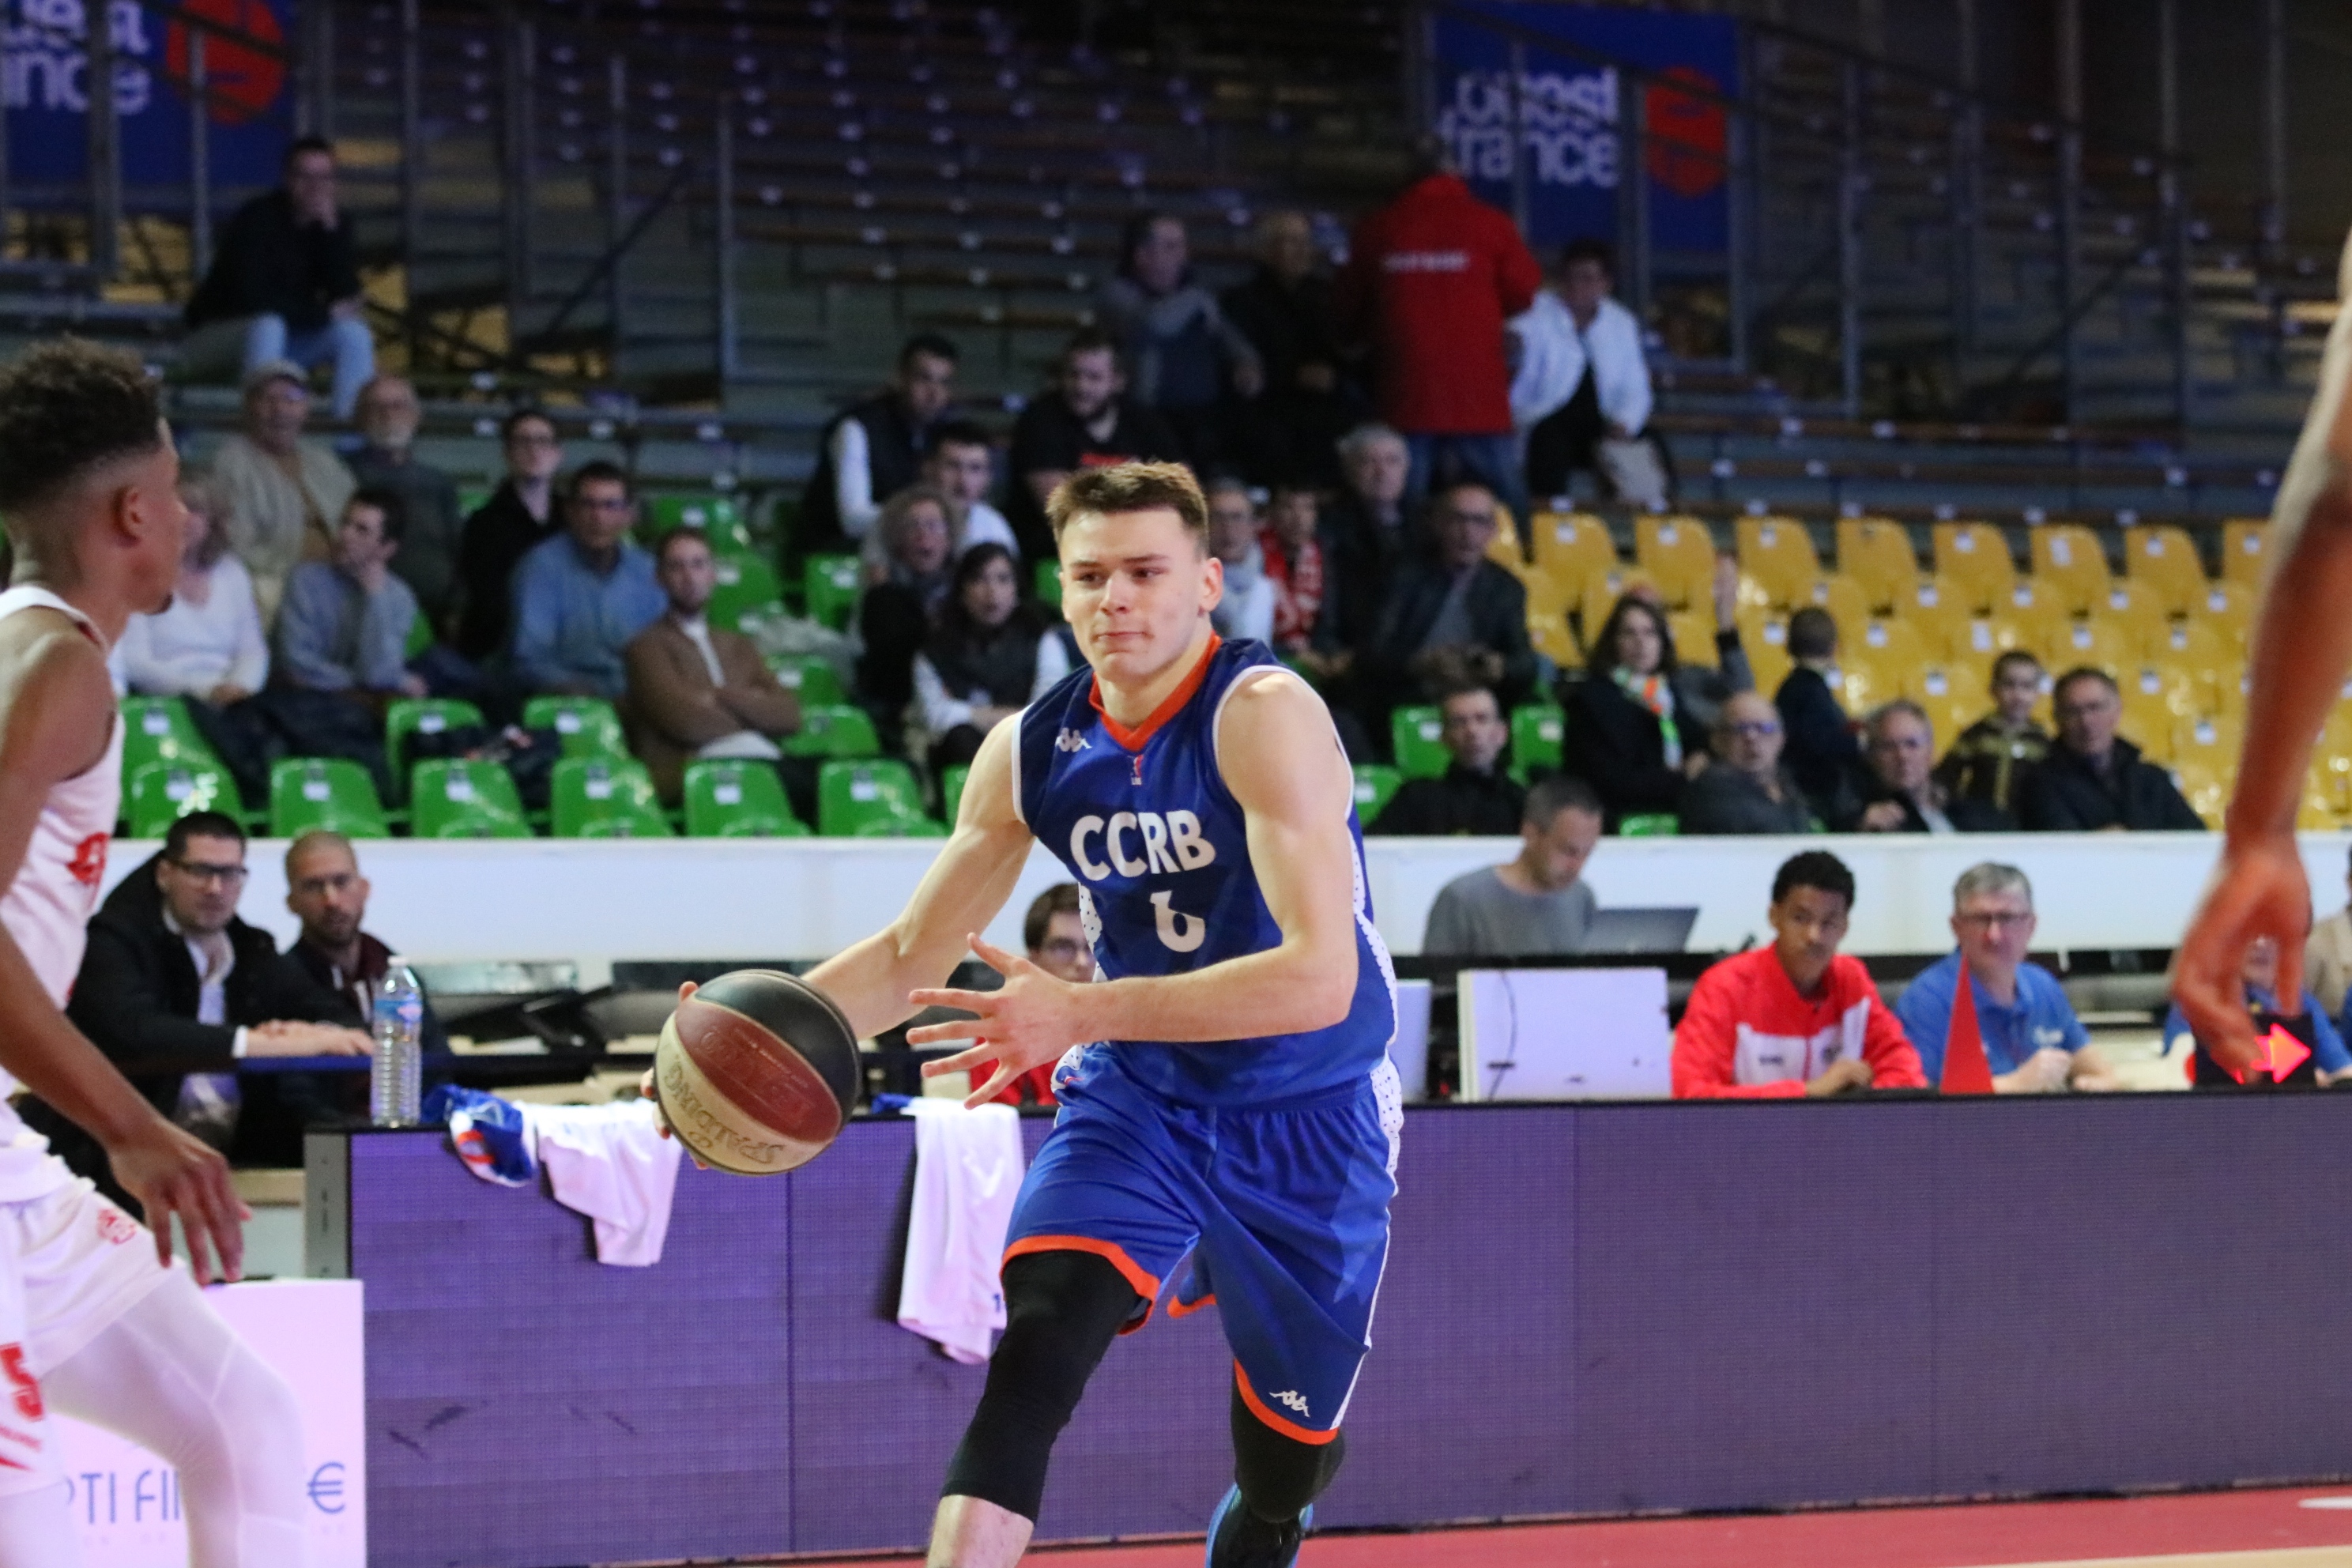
x: 2304, y: 1528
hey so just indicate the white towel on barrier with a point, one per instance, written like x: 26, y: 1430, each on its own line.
x: 967, y: 1167
x: 609, y: 1163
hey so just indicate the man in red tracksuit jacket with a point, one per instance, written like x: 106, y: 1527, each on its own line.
x: 1796, y: 1017
x: 1429, y: 280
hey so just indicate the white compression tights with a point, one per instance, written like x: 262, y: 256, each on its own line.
x: 170, y: 1376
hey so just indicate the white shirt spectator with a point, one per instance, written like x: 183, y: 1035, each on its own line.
x: 191, y: 649
x: 1553, y: 354
x: 1246, y: 610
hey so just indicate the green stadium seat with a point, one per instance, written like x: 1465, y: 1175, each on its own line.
x: 716, y: 517
x: 952, y: 783
x: 412, y: 716
x: 1537, y: 732
x: 832, y: 583
x: 605, y: 797
x: 838, y: 730
x: 1375, y: 785
x: 462, y: 798
x: 156, y: 729
x: 1649, y: 825
x: 330, y: 792
x: 747, y: 584
x: 738, y: 800
x: 810, y: 676
x: 590, y: 726
x: 159, y: 793
x: 872, y: 799
x: 1417, y: 734
x: 1049, y: 583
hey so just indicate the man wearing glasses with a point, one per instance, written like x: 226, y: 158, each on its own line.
x: 2094, y: 779
x: 1746, y: 789
x: 2033, y: 1041
x: 173, y: 980
x: 581, y: 597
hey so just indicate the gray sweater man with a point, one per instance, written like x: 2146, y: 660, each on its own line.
x: 345, y: 622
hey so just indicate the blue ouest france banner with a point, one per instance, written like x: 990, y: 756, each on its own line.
x: 1572, y: 115
x: 45, y: 83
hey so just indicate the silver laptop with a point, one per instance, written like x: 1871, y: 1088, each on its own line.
x: 1638, y: 931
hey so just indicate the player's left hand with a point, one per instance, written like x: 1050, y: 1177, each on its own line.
x: 2259, y: 888
x: 1030, y: 1021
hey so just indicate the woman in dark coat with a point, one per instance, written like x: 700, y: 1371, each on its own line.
x: 1627, y: 735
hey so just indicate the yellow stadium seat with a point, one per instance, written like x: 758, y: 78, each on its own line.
x: 1548, y: 600
x: 2229, y: 609
x: 1950, y: 702
x: 2210, y: 741
x: 1694, y: 634
x: 2150, y: 716
x: 2035, y: 606
x: 1894, y: 646
x: 1863, y: 685
x: 1600, y: 597
x: 1876, y: 552
x: 2070, y: 564
x: 1942, y: 617
x: 1987, y: 637
x: 2205, y: 787
x: 2162, y: 556
x: 1764, y: 638
x: 1778, y: 551
x: 2201, y: 648
x: 1505, y: 549
x: 2097, y: 641
x: 1572, y: 549
x: 2243, y: 540
x: 1973, y: 559
x: 1678, y: 553
x: 1551, y: 640
x: 1845, y: 601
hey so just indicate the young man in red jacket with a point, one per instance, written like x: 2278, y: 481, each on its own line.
x: 1429, y: 280
x: 1796, y: 1017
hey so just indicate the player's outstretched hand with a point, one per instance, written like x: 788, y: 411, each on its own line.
x: 1030, y: 1021
x: 2259, y: 888
x: 171, y: 1172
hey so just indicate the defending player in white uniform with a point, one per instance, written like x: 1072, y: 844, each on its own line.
x: 95, y: 1321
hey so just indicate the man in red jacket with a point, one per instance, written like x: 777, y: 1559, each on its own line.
x: 1429, y: 280
x: 1796, y: 1017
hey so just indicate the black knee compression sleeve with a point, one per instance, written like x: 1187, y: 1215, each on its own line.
x: 1062, y: 1310
x: 1280, y: 1476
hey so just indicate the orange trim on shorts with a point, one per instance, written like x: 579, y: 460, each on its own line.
x: 1179, y: 1310
x: 1145, y: 1285
x: 1134, y: 740
x: 1291, y: 1429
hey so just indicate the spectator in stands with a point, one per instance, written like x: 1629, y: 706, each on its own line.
x: 1746, y: 790
x: 1055, y: 932
x: 1087, y: 420
x: 281, y: 493
x: 1990, y: 760
x: 1299, y: 557
x: 285, y: 283
x: 1796, y: 1017
x: 1450, y: 614
x: 898, y: 611
x: 1372, y: 532
x: 2308, y: 1021
x: 991, y: 656
x: 1182, y: 354
x: 522, y: 514
x: 2032, y: 1042
x: 345, y: 624
x: 962, y: 467
x: 1580, y: 397
x: 432, y: 531
x: 206, y: 644
x: 2095, y: 781
x: 1429, y: 280
x: 580, y: 596
x: 1475, y: 795
x: 326, y: 892
x: 1247, y: 607
x: 2326, y: 961
x: 696, y: 689
x: 1285, y: 311
x: 1902, y: 795
x: 1821, y: 750
x: 1701, y: 690
x: 1535, y: 906
x: 1626, y: 731
x: 176, y: 986
x: 872, y: 450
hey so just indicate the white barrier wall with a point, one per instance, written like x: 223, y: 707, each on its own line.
x: 601, y: 900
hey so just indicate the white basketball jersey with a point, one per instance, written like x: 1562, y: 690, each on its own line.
x: 47, y: 907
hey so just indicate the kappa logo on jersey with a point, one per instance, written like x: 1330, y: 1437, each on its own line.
x: 1292, y: 1398
x: 1071, y: 741
x: 116, y: 1226
x: 88, y: 863
x: 27, y: 1394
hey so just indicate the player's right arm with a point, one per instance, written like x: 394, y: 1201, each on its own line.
x: 52, y: 683
x: 962, y: 891
x: 2300, y: 648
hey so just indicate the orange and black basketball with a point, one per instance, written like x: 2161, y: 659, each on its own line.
x: 756, y: 1072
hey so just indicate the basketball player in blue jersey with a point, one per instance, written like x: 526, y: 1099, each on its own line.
x: 1226, y: 1096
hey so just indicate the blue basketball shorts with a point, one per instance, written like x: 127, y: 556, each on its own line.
x: 1283, y: 1210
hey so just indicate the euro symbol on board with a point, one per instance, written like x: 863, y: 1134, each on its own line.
x: 326, y: 1487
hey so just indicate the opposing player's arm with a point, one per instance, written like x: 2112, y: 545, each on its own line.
x: 2300, y: 648
x: 962, y: 891
x: 1280, y: 760
x: 56, y: 682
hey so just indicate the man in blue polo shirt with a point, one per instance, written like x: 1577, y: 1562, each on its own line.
x: 2033, y: 1041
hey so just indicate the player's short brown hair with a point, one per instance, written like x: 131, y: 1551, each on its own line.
x: 68, y: 408
x: 1131, y: 486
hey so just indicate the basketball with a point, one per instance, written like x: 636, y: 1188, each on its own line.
x: 756, y: 1072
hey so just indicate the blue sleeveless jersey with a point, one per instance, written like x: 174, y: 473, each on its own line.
x: 1158, y: 847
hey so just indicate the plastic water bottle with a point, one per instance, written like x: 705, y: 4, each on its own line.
x: 397, y: 1078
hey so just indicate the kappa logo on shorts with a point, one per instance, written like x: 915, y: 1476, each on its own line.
x: 1071, y: 741
x: 1291, y: 1397
x: 116, y: 1226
